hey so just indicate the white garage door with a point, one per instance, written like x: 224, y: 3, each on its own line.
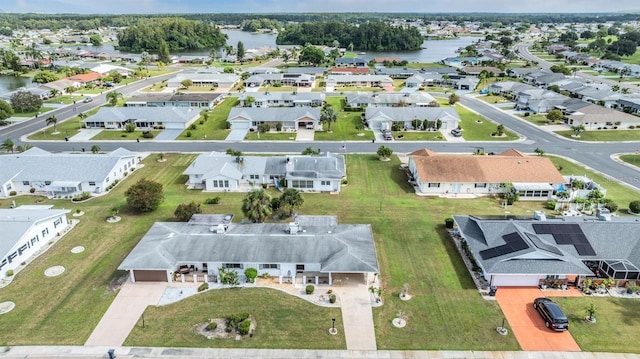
x: 240, y: 125
x: 515, y: 280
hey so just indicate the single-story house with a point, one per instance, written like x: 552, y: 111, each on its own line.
x: 382, y: 118
x: 42, y: 92
x: 61, y: 85
x: 63, y: 174
x: 105, y: 69
x: 597, y: 117
x: 389, y: 99
x: 350, y: 71
x: 220, y: 172
x: 526, y: 252
x: 630, y: 103
x: 282, y: 99
x: 26, y: 230
x: 315, y: 71
x: 534, y: 177
x: 350, y: 62
x: 205, y: 80
x: 396, y: 72
x: 359, y: 80
x: 291, y: 118
x: 286, y: 79
x: 144, y: 117
x: 508, y: 89
x: 311, y: 249
x: 84, y: 79
x: 179, y: 99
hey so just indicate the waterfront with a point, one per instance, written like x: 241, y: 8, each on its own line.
x: 11, y: 83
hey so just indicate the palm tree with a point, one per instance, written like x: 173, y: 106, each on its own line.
x: 95, y: 149
x: 257, y: 205
x: 25, y: 147
x: 144, y: 60
x: 291, y: 200
x: 113, y: 97
x: 54, y: 92
x: 52, y: 120
x: 8, y: 145
x: 577, y: 130
x: 328, y: 116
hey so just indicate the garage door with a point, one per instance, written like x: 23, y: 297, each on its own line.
x: 150, y: 275
x: 515, y: 280
x: 240, y: 125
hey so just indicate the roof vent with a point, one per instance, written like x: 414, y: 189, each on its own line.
x: 219, y: 229
x: 603, y: 214
x: 539, y: 216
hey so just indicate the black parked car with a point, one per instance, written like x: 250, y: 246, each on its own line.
x: 554, y: 318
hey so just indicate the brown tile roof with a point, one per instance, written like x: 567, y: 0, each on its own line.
x: 508, y: 166
x: 91, y: 76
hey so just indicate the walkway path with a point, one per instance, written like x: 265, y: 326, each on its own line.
x: 357, y: 317
x: 85, y: 134
x: 124, y: 313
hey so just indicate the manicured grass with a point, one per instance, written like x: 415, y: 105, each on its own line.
x: 492, y: 99
x: 63, y: 99
x: 419, y: 65
x: 285, y: 322
x: 271, y: 136
x: 121, y: 135
x: 41, y: 111
x: 344, y: 129
x: 604, y: 135
x: 480, y: 131
x: 631, y: 159
x: 616, y: 329
x: 536, y: 119
x: 398, y: 84
x: 66, y: 128
x: 215, y: 127
x: 278, y: 89
x: 417, y: 136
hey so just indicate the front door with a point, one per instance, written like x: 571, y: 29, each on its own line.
x: 455, y: 187
x: 299, y: 268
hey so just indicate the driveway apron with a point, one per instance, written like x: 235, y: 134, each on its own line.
x: 125, y: 311
x: 527, y: 325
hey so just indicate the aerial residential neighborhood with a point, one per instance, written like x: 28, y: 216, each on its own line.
x: 286, y: 182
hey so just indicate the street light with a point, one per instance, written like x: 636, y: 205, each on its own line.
x: 333, y: 330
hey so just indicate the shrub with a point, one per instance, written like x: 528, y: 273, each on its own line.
x: 212, y: 326
x: 203, y: 287
x: 227, y: 125
x: 448, y: 222
x: 631, y: 127
x: 13, y: 193
x: 9, y: 272
x: 213, y: 200
x: 310, y: 288
x: 188, y: 134
x: 332, y: 298
x: 551, y: 205
x: 147, y: 134
x: 344, y: 181
x: 251, y: 274
x: 32, y: 190
x: 634, y: 207
x: 526, y: 114
x: 193, y: 126
x: 244, y: 327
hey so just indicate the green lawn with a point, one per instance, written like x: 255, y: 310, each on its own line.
x: 121, y: 135
x: 479, y: 128
x: 344, y: 129
x: 631, y: 159
x: 616, y: 329
x: 604, y: 135
x: 417, y: 136
x: 536, y: 119
x: 63, y: 99
x: 280, y: 323
x: 215, y: 127
x: 492, y: 99
x: 66, y: 128
x: 41, y: 111
x: 445, y: 302
x: 271, y: 136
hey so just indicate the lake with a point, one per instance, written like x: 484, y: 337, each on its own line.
x: 12, y: 83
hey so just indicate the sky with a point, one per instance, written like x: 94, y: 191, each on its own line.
x: 285, y: 6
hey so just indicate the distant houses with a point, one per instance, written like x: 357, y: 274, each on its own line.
x: 384, y: 118
x: 281, y: 99
x: 287, y: 118
x: 179, y: 99
x: 144, y: 118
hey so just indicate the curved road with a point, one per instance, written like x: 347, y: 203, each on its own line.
x: 594, y: 155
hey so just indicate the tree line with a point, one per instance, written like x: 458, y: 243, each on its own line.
x: 375, y: 36
x: 174, y: 33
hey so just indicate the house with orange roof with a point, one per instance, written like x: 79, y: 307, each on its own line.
x: 350, y: 71
x: 86, y: 78
x: 439, y: 174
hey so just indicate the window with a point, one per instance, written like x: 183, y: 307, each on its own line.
x: 57, y: 222
x: 220, y: 183
x: 9, y: 187
x: 269, y: 266
x: 325, y: 183
x: 232, y: 265
x: 107, y: 180
x: 26, y: 183
x: 301, y: 184
x: 434, y: 185
x: 45, y: 232
x: 92, y: 183
x: 481, y: 185
x: 254, y: 177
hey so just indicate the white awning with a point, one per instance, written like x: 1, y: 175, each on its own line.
x: 64, y: 184
x: 533, y: 187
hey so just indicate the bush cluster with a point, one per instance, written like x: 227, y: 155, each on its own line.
x: 310, y: 288
x: 213, y: 200
x: 203, y: 287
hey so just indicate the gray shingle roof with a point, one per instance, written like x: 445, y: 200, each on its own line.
x: 274, y: 114
x: 338, y: 247
x: 615, y: 240
x: 39, y: 165
x: 153, y: 114
x: 410, y: 113
x: 16, y: 222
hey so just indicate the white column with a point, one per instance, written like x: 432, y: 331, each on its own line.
x: 330, y: 279
x: 169, y: 277
x: 304, y: 280
x: 280, y: 279
x: 182, y: 278
x: 195, y: 278
x: 206, y: 278
x: 132, y: 277
x: 317, y: 280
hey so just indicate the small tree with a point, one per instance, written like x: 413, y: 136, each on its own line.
x: 5, y: 110
x: 251, y: 274
x: 257, y: 205
x: 554, y: 115
x: 184, y: 211
x: 577, y: 130
x: 510, y: 195
x: 328, y: 116
x: 161, y: 156
x: 232, y: 152
x: 290, y: 200
x: 186, y: 83
x: 416, y: 123
x: 130, y: 127
x: 590, y: 310
x: 539, y: 151
x: 52, y: 120
x: 145, y: 196
x: 113, y: 97
x: 405, y: 290
x: 8, y: 145
x: 453, y: 98
x: 384, y: 152
x: 95, y: 149
x: 228, y: 276
x: 634, y: 207
x: 499, y: 130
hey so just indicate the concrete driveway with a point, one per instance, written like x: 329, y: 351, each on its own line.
x: 124, y: 313
x: 303, y: 134
x: 527, y: 325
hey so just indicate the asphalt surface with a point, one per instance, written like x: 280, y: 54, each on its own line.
x: 594, y: 155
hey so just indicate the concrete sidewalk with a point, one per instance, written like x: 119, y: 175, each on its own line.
x: 124, y: 313
x: 34, y: 352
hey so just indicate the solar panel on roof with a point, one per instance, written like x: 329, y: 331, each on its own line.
x: 584, y: 249
x: 513, y: 243
x: 567, y: 233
